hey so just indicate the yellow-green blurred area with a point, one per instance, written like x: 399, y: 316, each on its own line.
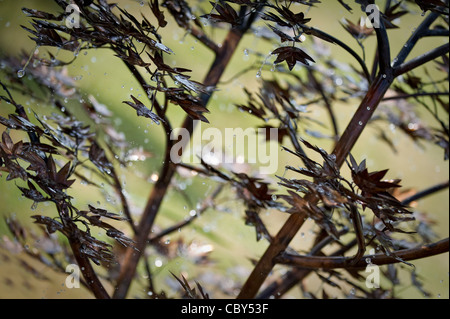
x: 221, y: 230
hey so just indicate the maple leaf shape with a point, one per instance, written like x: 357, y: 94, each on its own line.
x: 291, y: 55
x: 358, y: 31
x: 58, y: 180
x: 370, y: 183
x: 293, y: 18
x: 287, y: 18
x: 190, y: 104
x: 433, y: 5
x: 154, y: 5
x: 226, y: 13
x: 32, y: 193
x: 142, y: 110
x: 391, y: 14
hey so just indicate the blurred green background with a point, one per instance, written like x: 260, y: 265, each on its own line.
x: 100, y: 74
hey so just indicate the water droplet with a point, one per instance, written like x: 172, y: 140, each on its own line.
x: 384, y: 76
x: 274, y: 197
x: 20, y: 73
x: 258, y: 74
x: 368, y: 108
x: 154, y: 177
x: 246, y: 52
x: 360, y: 123
x: 158, y: 263
x: 423, y: 13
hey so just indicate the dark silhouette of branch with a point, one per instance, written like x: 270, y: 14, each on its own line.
x: 128, y: 268
x: 317, y: 262
x: 89, y: 274
x: 412, y: 95
x: 267, y: 261
x: 279, y: 287
x: 348, y: 139
x: 203, y: 38
x: 421, y: 60
x: 361, y: 117
x: 437, y: 33
x: 359, y: 232
x: 426, y: 192
x: 291, y: 278
x: 415, y: 37
x: 344, y: 46
x: 384, y: 51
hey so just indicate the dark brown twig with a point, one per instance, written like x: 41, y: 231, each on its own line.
x: 421, y: 60
x: 89, y: 274
x: 426, y: 192
x: 291, y: 278
x: 215, y: 72
x: 207, y: 202
x: 348, y: 139
x: 317, y: 262
x: 413, y: 95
